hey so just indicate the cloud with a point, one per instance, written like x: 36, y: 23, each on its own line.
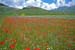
x: 14, y: 3
x: 73, y: 2
x: 53, y: 6
x: 20, y: 4
x: 33, y: 3
x: 69, y: 4
x: 60, y: 3
x: 41, y: 4
x: 47, y: 6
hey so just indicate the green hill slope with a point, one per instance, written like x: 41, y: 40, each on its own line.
x: 6, y: 11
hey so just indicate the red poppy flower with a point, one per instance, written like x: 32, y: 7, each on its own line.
x: 2, y: 43
x: 27, y: 48
x: 69, y: 45
x: 37, y: 49
x: 12, y: 46
x: 6, y: 39
x: 65, y: 40
x: 6, y: 30
x: 14, y: 40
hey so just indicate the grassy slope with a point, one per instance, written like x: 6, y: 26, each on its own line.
x: 6, y: 11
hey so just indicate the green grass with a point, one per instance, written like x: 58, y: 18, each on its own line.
x: 51, y: 35
x: 56, y: 34
x: 6, y: 11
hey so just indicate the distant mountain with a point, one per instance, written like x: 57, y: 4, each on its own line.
x: 65, y: 10
x: 2, y: 4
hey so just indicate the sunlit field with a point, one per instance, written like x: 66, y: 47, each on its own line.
x: 37, y: 29
x: 33, y: 33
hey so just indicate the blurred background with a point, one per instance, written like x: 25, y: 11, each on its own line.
x: 36, y: 7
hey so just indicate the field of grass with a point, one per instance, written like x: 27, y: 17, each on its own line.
x: 20, y: 33
x: 36, y: 29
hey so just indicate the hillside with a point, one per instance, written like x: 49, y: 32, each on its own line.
x: 6, y: 11
x: 65, y: 10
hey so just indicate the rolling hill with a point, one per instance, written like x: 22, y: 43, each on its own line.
x: 6, y: 11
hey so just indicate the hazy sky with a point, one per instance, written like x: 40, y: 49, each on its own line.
x: 21, y: 3
x: 47, y: 1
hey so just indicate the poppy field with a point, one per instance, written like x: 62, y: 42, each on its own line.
x: 33, y: 33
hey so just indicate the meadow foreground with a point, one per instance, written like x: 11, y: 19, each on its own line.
x: 24, y: 33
